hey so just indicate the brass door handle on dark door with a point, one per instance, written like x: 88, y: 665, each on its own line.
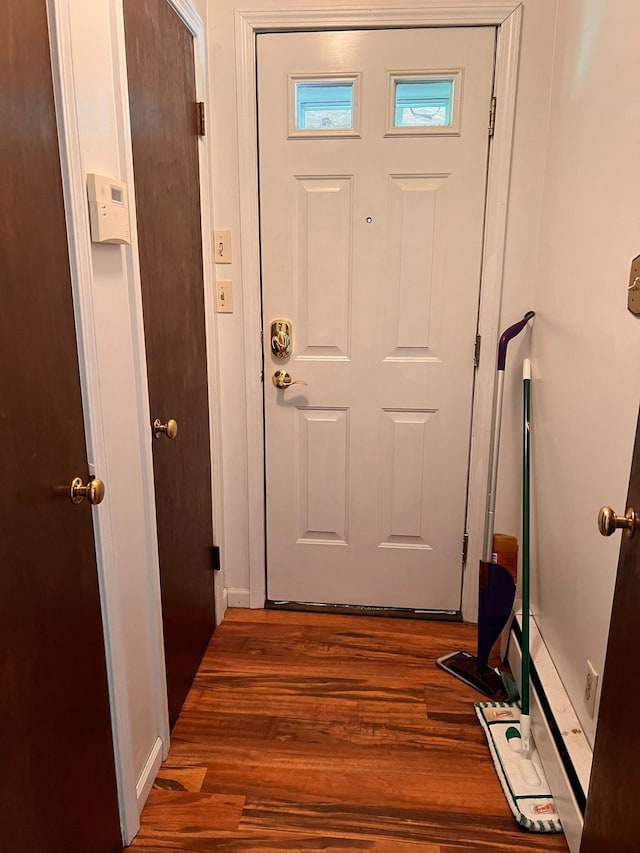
x: 170, y: 429
x: 93, y: 491
x: 609, y: 522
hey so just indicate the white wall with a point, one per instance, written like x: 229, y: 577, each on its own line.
x: 524, y: 215
x: 229, y: 328
x: 521, y: 251
x: 586, y: 345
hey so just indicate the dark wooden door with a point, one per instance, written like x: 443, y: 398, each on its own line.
x: 57, y: 777
x: 162, y: 101
x: 612, y: 819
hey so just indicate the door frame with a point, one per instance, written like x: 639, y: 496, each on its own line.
x: 133, y: 788
x: 506, y: 16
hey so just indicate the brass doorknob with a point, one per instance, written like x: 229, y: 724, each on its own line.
x: 282, y: 379
x: 609, y: 522
x: 170, y: 429
x: 93, y: 491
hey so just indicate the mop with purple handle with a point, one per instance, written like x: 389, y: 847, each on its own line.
x: 497, y: 585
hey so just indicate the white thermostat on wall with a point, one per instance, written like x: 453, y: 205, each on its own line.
x: 108, y: 210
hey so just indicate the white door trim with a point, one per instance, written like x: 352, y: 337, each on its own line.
x: 131, y: 790
x: 507, y: 17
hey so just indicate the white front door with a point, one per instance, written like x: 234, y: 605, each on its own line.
x: 373, y: 160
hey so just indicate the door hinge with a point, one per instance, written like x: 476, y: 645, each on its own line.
x: 262, y: 376
x: 215, y: 557
x: 476, y: 351
x: 492, y: 116
x: 200, y: 118
x: 465, y: 548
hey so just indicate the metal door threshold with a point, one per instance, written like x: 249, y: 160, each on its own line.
x: 367, y: 610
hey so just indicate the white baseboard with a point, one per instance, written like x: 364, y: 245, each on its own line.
x: 238, y: 598
x: 149, y: 773
x: 574, y: 741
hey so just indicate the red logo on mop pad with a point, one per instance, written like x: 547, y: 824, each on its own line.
x: 506, y: 714
x: 547, y: 808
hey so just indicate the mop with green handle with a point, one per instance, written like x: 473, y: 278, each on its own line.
x: 507, y: 727
x: 525, y: 719
x: 527, y: 769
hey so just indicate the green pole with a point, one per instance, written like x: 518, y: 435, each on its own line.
x: 526, y: 453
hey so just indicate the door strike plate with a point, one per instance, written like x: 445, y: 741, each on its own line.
x: 633, y: 295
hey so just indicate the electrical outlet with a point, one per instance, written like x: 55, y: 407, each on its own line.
x: 224, y: 297
x: 222, y: 247
x: 591, y: 689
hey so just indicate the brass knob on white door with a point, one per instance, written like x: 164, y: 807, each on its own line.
x: 282, y: 379
x: 93, y: 491
x: 170, y: 429
x: 609, y: 522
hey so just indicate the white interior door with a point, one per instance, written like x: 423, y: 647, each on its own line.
x: 373, y: 159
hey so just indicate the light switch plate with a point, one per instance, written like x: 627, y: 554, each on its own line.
x: 633, y: 295
x: 222, y: 247
x: 224, y: 297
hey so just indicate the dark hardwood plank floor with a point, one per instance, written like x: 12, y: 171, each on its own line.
x: 309, y: 731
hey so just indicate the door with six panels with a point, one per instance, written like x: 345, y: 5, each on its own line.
x: 373, y: 151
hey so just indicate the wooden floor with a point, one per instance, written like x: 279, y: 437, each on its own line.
x: 320, y: 732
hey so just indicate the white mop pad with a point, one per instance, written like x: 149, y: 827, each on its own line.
x: 523, y: 782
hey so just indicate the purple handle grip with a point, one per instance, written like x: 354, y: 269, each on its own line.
x: 509, y: 333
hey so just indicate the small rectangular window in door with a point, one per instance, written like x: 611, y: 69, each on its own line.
x: 424, y: 103
x: 324, y: 106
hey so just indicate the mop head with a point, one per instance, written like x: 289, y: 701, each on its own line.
x: 523, y: 781
x: 496, y: 684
